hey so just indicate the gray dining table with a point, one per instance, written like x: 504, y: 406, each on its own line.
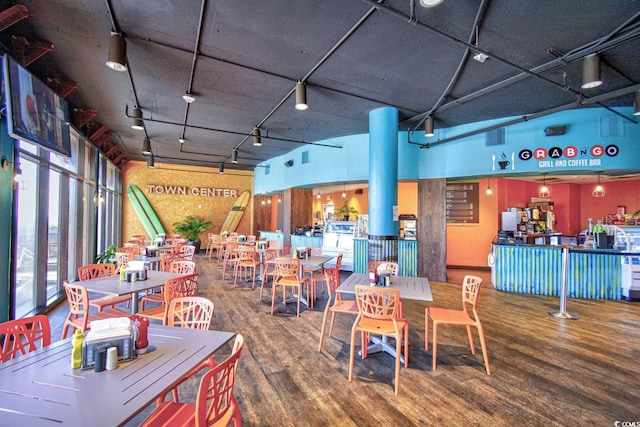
x: 412, y: 288
x: 111, y: 285
x: 41, y: 388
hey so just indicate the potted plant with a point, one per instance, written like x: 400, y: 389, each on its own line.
x: 108, y: 256
x: 345, y: 212
x: 190, y: 228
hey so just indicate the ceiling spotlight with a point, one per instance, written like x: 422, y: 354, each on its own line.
x: 591, y: 72
x: 188, y: 98
x: 137, y: 122
x: 234, y: 156
x: 257, y: 141
x: 636, y: 104
x: 181, y: 140
x: 221, y: 169
x: 151, y: 162
x: 117, y: 58
x: 301, y: 96
x: 146, y: 147
x: 480, y: 57
x: 428, y: 127
x: 430, y: 3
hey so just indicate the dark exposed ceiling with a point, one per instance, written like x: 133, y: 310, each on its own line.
x: 241, y: 60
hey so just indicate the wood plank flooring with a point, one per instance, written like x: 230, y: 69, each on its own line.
x: 545, y: 371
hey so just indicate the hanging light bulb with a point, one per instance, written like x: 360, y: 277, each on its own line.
x: 599, y: 190
x: 488, y: 193
x: 318, y: 196
x: 344, y: 192
x: 544, y: 191
x: 279, y: 198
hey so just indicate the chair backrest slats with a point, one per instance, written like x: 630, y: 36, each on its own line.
x: 22, y: 336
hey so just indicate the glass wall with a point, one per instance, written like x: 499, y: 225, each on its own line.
x: 59, y: 200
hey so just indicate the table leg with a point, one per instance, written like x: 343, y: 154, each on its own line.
x: 379, y: 344
x: 134, y: 303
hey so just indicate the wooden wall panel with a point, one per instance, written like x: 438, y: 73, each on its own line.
x: 297, y: 210
x: 432, y: 226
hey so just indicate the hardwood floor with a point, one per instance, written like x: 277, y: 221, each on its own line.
x: 545, y: 370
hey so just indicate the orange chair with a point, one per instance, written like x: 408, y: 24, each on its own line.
x: 214, y: 243
x: 167, y: 258
x: 123, y: 258
x: 470, y: 292
x: 322, y: 278
x: 230, y: 256
x: 269, y: 268
x: 287, y: 276
x: 193, y: 313
x: 92, y: 271
x: 183, y: 286
x: 79, y: 317
x: 377, y: 315
x: 215, y: 404
x: 247, y: 261
x: 286, y: 250
x: 188, y: 252
x: 335, y: 303
x: 178, y: 267
x: 22, y: 336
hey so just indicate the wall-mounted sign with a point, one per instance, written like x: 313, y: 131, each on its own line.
x: 462, y: 203
x: 570, y: 156
x: 176, y: 190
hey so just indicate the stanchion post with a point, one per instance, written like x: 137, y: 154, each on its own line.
x: 563, y: 313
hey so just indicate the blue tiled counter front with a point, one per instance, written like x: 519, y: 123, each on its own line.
x: 306, y: 241
x: 407, y: 257
x: 273, y: 235
x: 538, y: 270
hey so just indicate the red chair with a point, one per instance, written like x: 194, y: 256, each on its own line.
x: 215, y: 403
x: 470, y: 292
x: 93, y: 271
x: 22, y: 336
x: 79, y: 317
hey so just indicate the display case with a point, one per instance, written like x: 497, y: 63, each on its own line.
x: 627, y: 238
x: 338, y: 239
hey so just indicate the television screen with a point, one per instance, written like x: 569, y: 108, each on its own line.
x: 35, y: 112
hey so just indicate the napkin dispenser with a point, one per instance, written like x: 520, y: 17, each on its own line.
x: 118, y: 332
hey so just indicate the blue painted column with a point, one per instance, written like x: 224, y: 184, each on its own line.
x: 383, y: 184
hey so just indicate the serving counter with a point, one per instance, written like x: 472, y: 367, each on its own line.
x: 537, y: 269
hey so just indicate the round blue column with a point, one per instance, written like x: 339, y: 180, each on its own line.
x: 383, y: 183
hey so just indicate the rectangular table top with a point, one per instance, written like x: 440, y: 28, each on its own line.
x: 415, y: 288
x: 111, y: 285
x: 41, y: 389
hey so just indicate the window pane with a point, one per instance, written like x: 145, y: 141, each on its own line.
x: 53, y: 241
x: 73, y: 228
x: 27, y: 200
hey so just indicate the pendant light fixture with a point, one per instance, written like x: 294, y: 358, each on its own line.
x: 151, y: 162
x: 301, y: 96
x: 344, y: 192
x: 146, y: 146
x: 117, y: 58
x: 234, y: 156
x: 488, y: 193
x: 591, y: 72
x: 428, y: 127
x: 318, y: 196
x: 188, y: 98
x: 257, y: 140
x: 636, y: 103
x: 599, y: 190
x: 279, y: 197
x: 221, y: 169
x: 136, y: 116
x: 544, y: 191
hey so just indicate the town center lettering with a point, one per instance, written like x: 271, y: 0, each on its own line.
x: 193, y: 191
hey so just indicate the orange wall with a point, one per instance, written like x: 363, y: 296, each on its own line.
x: 470, y: 244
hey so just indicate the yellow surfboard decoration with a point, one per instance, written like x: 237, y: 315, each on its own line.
x: 235, y: 214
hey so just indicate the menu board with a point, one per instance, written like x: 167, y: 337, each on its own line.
x: 462, y: 202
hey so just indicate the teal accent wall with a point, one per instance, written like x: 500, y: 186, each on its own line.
x: 6, y: 208
x: 466, y: 157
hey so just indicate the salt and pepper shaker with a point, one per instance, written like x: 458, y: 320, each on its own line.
x: 112, y: 358
x: 99, y: 359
